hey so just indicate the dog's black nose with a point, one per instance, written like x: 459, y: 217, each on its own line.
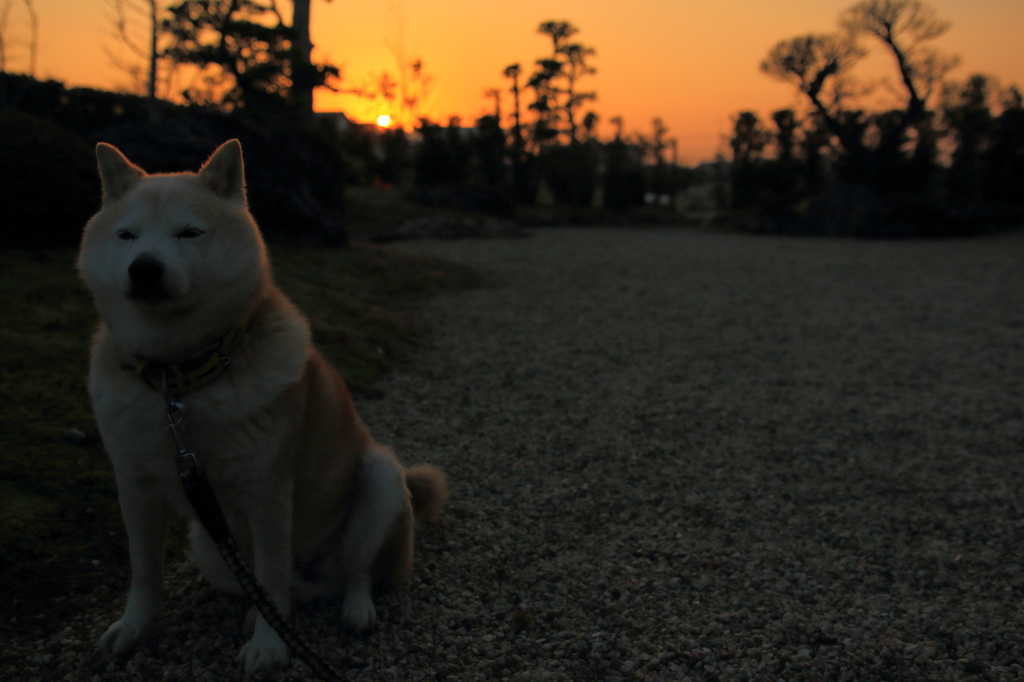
x: 147, y: 276
x: 145, y: 272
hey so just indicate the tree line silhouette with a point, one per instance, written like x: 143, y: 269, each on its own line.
x: 545, y: 151
x: 244, y: 60
x: 948, y: 160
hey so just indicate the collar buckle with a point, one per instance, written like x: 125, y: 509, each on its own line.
x: 199, y: 370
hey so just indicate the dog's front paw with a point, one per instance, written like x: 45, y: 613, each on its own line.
x: 263, y: 652
x: 124, y: 635
x: 357, y: 611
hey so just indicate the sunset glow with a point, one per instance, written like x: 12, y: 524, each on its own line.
x: 695, y: 65
x: 383, y: 120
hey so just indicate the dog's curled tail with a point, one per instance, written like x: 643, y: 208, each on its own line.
x: 428, y: 488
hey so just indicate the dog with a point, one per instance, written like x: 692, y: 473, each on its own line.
x: 178, y: 267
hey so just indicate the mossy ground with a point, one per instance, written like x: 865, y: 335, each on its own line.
x: 62, y: 541
x: 371, y: 211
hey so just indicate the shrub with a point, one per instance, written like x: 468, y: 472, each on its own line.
x: 49, y: 185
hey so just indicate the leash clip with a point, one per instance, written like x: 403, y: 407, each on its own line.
x: 188, y: 469
x: 175, y: 413
x: 186, y: 462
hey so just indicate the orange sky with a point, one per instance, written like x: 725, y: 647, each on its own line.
x: 693, y: 63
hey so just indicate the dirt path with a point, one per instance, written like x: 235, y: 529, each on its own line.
x: 678, y: 454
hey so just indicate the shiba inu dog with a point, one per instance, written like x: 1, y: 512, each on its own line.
x: 189, y: 312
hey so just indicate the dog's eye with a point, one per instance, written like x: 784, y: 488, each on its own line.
x: 189, y: 233
x: 125, y: 235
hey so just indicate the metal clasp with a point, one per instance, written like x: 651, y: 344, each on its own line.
x: 188, y: 467
x: 175, y: 413
x: 186, y: 462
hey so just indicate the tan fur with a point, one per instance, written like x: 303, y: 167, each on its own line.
x: 316, y: 506
x: 428, y: 487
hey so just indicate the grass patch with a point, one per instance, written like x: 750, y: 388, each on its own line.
x: 370, y: 211
x: 62, y: 541
x: 356, y: 300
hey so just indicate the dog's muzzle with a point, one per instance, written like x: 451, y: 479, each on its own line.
x: 147, y: 276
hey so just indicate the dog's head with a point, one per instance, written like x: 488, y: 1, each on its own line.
x: 173, y: 260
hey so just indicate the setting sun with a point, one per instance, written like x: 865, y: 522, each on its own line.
x: 383, y: 120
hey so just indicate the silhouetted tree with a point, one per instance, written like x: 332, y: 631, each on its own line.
x: 33, y: 37
x: 904, y: 26
x: 512, y: 73
x: 140, y: 42
x: 624, y: 177
x: 816, y: 150
x: 923, y: 163
x: 890, y: 151
x: 788, y: 171
x: 396, y: 152
x: 495, y: 94
x: 244, y: 52
x: 576, y: 67
x: 5, y: 17
x: 488, y: 179
x: 517, y: 143
x: 786, y: 125
x: 819, y: 65
x: 970, y: 122
x: 555, y: 84
x: 617, y: 122
x: 463, y: 168
x: 590, y: 125
x: 571, y: 171
x: 442, y: 154
x: 545, y: 103
x: 306, y: 76
x: 749, y: 141
x: 659, y: 173
x: 1005, y: 180
x: 33, y: 45
x: 399, y: 97
x: 749, y: 138
x: 488, y: 144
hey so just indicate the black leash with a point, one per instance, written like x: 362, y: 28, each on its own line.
x: 203, y: 500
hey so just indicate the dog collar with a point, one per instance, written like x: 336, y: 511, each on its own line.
x: 198, y: 371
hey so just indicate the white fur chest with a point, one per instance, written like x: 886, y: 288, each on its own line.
x: 232, y: 426
x: 133, y: 422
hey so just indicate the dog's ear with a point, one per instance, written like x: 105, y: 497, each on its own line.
x: 117, y: 173
x: 224, y: 173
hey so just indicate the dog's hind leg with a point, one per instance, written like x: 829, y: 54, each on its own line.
x: 380, y: 501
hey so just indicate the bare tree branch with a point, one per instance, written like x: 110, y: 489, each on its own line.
x: 5, y: 13
x: 33, y: 46
x: 135, y: 26
x: 903, y: 26
x: 813, y: 62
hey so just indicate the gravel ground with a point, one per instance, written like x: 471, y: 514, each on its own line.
x: 677, y: 454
